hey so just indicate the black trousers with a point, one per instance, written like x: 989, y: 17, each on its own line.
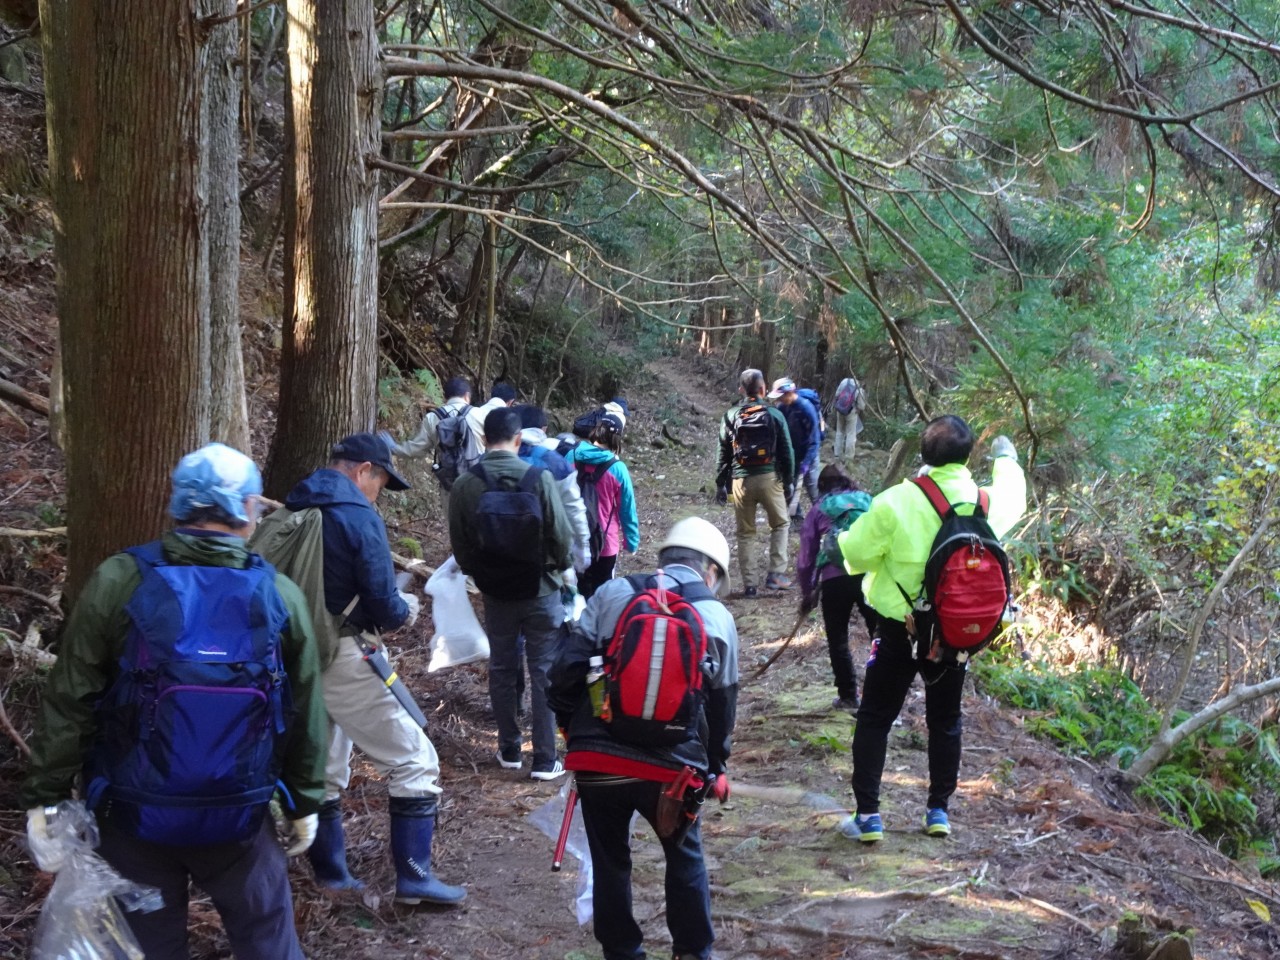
x: 890, y: 671
x: 597, y: 575
x: 248, y: 883
x: 839, y: 596
x: 607, y: 806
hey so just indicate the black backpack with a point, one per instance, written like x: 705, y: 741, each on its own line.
x: 509, y: 528
x: 967, y: 585
x: 589, y: 475
x: 452, y: 432
x: 753, y: 435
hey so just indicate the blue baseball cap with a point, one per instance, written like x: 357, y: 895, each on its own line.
x: 214, y: 476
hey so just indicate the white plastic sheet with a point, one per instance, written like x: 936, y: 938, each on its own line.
x: 459, y: 638
x: 548, y: 818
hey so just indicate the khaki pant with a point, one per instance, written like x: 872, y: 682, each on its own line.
x: 365, y: 712
x: 762, y: 490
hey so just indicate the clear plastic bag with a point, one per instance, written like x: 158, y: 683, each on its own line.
x: 459, y: 638
x: 548, y: 818
x: 81, y: 918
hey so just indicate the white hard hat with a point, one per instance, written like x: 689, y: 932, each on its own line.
x: 694, y: 533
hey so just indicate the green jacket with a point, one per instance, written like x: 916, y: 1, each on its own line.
x: 890, y: 542
x: 784, y: 461
x: 91, y: 647
x: 464, y: 502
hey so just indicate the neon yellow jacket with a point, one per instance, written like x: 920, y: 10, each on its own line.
x: 890, y: 542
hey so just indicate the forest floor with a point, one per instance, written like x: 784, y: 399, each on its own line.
x: 1047, y: 858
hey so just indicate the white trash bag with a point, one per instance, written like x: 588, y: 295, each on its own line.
x: 82, y: 917
x: 459, y: 638
x: 548, y: 818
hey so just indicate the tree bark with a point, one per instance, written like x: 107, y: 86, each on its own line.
x: 130, y: 194
x: 229, y: 412
x: 328, y: 376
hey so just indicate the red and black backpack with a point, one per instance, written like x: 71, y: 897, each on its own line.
x: 653, y: 663
x: 967, y: 585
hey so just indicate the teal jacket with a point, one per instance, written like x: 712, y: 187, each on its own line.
x: 91, y: 648
x: 615, y: 500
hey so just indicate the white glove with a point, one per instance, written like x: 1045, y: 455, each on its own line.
x: 1003, y: 447
x: 581, y: 557
x: 49, y: 852
x: 569, y: 577
x: 415, y: 606
x: 302, y: 833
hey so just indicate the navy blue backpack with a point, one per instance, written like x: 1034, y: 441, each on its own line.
x: 186, y: 752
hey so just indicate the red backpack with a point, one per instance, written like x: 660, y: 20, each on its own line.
x: 967, y: 585
x: 653, y: 663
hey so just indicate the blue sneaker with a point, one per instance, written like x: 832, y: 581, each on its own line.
x: 870, y: 829
x: 936, y: 823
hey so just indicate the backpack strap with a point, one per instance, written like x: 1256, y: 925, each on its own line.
x: 691, y: 592
x: 944, y: 506
x: 148, y: 554
x: 531, y: 479
x: 478, y: 470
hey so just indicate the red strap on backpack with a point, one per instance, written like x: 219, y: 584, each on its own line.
x: 930, y: 488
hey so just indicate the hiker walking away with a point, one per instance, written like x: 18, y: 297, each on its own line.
x: 538, y: 449
x: 360, y: 592
x: 891, y: 543
x: 755, y: 451
x: 822, y: 577
x: 585, y: 424
x: 446, y: 435
x: 501, y: 396
x: 181, y: 794
x: 511, y: 534
x: 606, y: 488
x: 662, y: 770
x: 850, y: 400
x: 804, y: 423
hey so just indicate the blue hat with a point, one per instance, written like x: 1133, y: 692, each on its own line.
x: 371, y: 448
x: 214, y: 476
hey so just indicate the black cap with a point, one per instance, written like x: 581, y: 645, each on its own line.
x: 360, y: 447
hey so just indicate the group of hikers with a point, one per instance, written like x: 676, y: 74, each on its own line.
x: 240, y: 658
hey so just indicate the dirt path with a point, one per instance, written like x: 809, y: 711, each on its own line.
x: 1043, y: 863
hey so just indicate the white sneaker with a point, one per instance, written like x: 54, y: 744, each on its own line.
x: 506, y: 764
x: 552, y: 774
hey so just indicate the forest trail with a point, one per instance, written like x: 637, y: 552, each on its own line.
x: 1044, y: 861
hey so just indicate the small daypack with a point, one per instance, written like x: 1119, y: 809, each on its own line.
x: 967, y: 585
x: 848, y: 397
x: 815, y: 399
x: 841, y: 509
x: 509, y: 530
x: 753, y: 435
x: 188, y: 734
x: 653, y: 663
x: 589, y: 476
x: 293, y: 543
x: 452, y: 433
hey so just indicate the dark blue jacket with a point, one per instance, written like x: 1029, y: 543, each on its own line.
x: 357, y: 556
x: 805, y: 427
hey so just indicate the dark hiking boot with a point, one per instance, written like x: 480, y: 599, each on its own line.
x: 413, y: 826
x: 328, y: 855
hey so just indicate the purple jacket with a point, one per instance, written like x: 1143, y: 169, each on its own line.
x: 816, y: 525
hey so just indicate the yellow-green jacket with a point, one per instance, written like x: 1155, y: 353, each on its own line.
x: 890, y: 542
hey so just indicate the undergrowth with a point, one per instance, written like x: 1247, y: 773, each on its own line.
x: 1222, y: 783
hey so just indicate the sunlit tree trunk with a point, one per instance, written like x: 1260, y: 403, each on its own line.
x: 125, y: 160
x: 229, y: 414
x: 329, y: 357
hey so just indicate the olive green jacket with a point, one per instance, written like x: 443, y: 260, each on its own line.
x: 90, y: 650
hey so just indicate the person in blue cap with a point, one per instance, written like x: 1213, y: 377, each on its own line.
x: 360, y: 588
x: 173, y: 650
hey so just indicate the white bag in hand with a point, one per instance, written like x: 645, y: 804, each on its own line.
x: 459, y: 638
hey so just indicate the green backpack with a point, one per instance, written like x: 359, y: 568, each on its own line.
x: 842, y: 509
x: 293, y: 543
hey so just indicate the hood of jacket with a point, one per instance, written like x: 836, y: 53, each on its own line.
x: 325, y: 488
x: 590, y: 453
x: 205, y: 548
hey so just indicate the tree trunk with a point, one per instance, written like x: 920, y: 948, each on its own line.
x: 229, y: 413
x: 329, y: 361
x: 128, y: 180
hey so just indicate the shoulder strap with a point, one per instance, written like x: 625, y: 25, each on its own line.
x: 531, y: 479
x: 929, y: 487
x: 478, y: 470
x: 984, y: 504
x: 148, y: 554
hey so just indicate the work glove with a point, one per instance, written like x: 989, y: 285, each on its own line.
x: 581, y: 557
x: 569, y: 577
x: 47, y: 850
x: 1003, y: 447
x: 302, y: 833
x: 720, y: 787
x: 722, y: 495
x: 788, y: 491
x: 415, y: 607
x: 807, y: 602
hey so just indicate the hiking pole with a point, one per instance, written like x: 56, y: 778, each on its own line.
x: 562, y: 841
x: 777, y: 653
